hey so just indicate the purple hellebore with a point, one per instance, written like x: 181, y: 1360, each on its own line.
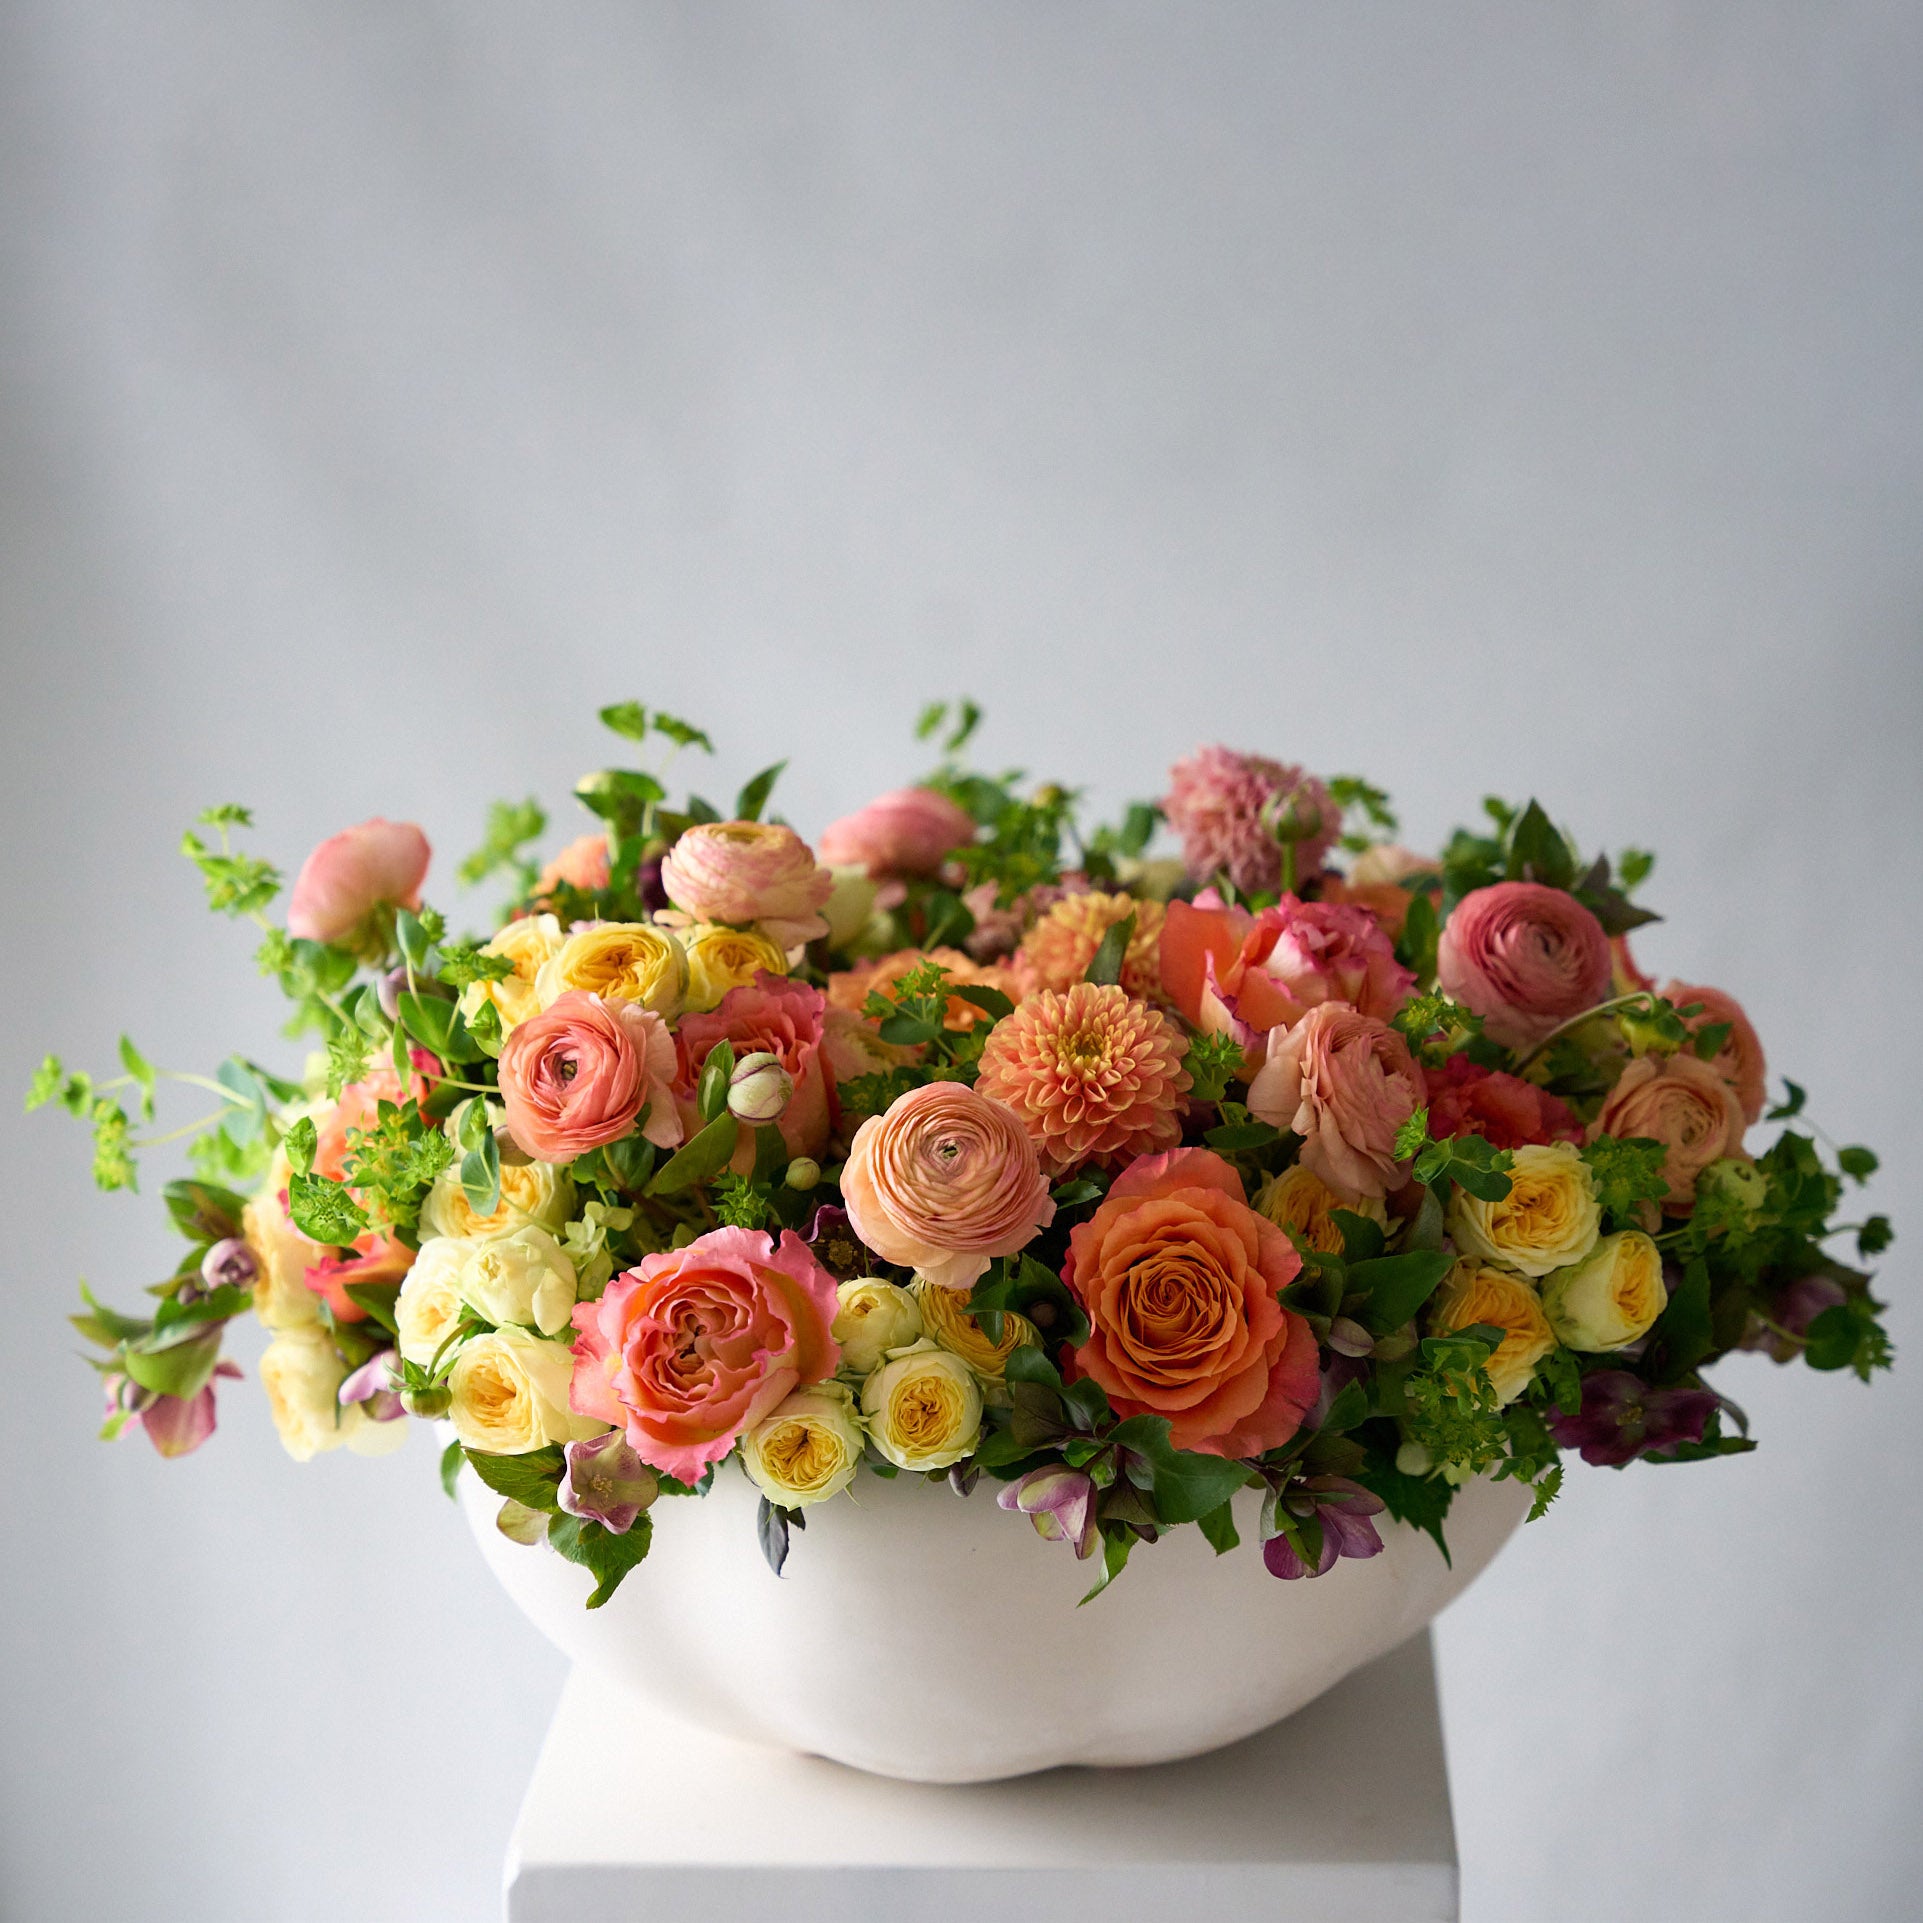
x: 1622, y: 1418
x: 606, y: 1482
x: 1346, y: 1512
x: 372, y: 1385
x: 178, y: 1425
x: 1060, y: 1502
x: 229, y: 1262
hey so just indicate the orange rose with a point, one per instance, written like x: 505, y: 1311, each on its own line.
x: 1179, y: 1278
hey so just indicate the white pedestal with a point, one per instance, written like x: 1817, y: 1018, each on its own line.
x: 1339, y: 1815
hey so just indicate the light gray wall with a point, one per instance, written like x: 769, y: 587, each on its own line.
x: 1511, y: 398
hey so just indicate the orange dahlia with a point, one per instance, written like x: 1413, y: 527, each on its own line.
x: 1095, y: 1075
x: 1056, y: 952
x: 851, y: 987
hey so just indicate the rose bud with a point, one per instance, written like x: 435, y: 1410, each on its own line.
x: 229, y: 1263
x: 429, y: 1404
x: 759, y: 1089
x: 804, y: 1173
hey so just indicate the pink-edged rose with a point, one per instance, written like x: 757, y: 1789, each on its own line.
x: 694, y: 1345
x: 576, y: 1075
x: 1686, y: 1105
x: 767, y: 1016
x: 1504, y: 1110
x: 353, y: 873
x: 945, y: 1181
x: 1740, y: 1059
x: 1345, y: 1083
x: 909, y: 831
x: 749, y: 871
x: 1524, y: 957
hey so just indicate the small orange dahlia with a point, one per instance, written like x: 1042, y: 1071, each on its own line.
x: 1056, y: 952
x: 851, y: 987
x: 1095, y: 1075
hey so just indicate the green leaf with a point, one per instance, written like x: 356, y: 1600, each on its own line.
x: 684, y: 734
x: 1874, y: 1236
x: 203, y: 1211
x: 699, y: 1160
x: 1683, y: 1335
x: 533, y: 1480
x: 627, y: 718
x: 1628, y: 1173
x: 378, y: 1299
x: 1413, y: 1136
x: 1547, y: 1490
x: 324, y: 1212
x: 1186, y: 1486
x: 107, y: 1326
x: 991, y: 1001
x: 428, y: 1019
x: 481, y: 1175
x: 451, y: 1459
x: 1397, y: 1286
x: 604, y: 1555
x: 179, y: 1367
x: 1105, y: 970
x: 511, y: 825
x: 1116, y: 1545
x: 1234, y: 1138
x: 137, y: 1065
x: 930, y: 718
x: 711, y: 1092
x: 1859, y: 1164
x: 1029, y: 1364
x: 1218, y: 1527
x: 46, y: 1083
x: 753, y: 797
x: 1538, y: 852
x: 1416, y: 945
x: 175, y: 1318
x: 1422, y: 1501
x: 1794, y: 1097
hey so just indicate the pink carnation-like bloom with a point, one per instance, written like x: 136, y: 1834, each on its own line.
x: 696, y: 1344
x: 1740, y: 1059
x: 909, y: 831
x: 1686, y: 1105
x: 749, y: 871
x: 1504, y: 1110
x: 353, y: 873
x: 780, y: 1018
x: 1524, y: 957
x: 945, y: 1181
x: 1345, y: 1083
x: 575, y: 1076
x: 1216, y: 801
x: 582, y: 864
x: 1095, y: 1075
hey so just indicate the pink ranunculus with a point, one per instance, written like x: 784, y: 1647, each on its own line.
x: 1686, y: 1105
x: 576, y: 1075
x: 1345, y: 1082
x: 353, y: 873
x: 943, y: 1182
x: 1223, y: 804
x: 695, y: 1344
x: 1740, y: 1059
x: 1504, y: 1110
x: 784, y: 1019
x: 909, y: 831
x: 1524, y: 957
x: 583, y: 864
x: 749, y: 871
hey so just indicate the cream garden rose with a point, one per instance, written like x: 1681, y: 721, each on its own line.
x: 873, y: 1317
x: 721, y: 958
x: 429, y: 1308
x: 528, y: 943
x: 1474, y: 1292
x: 510, y: 1394
x: 621, y: 961
x: 923, y: 1408
x: 1611, y: 1297
x: 282, y: 1298
x: 808, y: 1449
x: 301, y: 1373
x: 521, y: 1278
x: 1549, y: 1219
x: 533, y: 1194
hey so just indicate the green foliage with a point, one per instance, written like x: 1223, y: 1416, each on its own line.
x: 1468, y: 1161
x: 967, y: 719
x: 533, y: 1480
x: 1849, y: 1337
x: 1421, y: 1501
x: 511, y: 825
x: 1354, y: 796
x: 604, y: 1555
x: 700, y: 1159
x: 1451, y: 1406
x: 754, y: 794
x: 1394, y: 1287
x: 393, y: 1162
x: 1628, y: 1174
x: 1030, y: 1288
x: 462, y: 965
x: 1794, y: 1096
x: 1212, y: 1062
x: 1105, y: 967
x: 1434, y: 1026
x: 740, y: 1202
x: 236, y: 884
x: 323, y: 1211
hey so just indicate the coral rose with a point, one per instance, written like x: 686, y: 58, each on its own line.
x: 1056, y: 952
x: 1095, y: 1075
x: 1221, y: 803
x: 1682, y: 1103
x: 354, y: 873
x: 945, y: 1181
x: 696, y: 1344
x: 1345, y: 1083
x: 1524, y: 957
x: 1179, y: 1277
x: 909, y: 831
x: 749, y: 871
x: 1504, y: 1110
x: 1740, y: 1059
x: 771, y: 1016
x: 577, y: 1075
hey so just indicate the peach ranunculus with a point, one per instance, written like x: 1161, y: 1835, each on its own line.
x: 1179, y: 1277
x: 1095, y: 1075
x: 582, y: 864
x: 1384, y: 879
x: 1289, y: 959
x: 909, y: 831
x: 1345, y: 1083
x: 353, y: 873
x: 577, y: 1075
x: 943, y: 1182
x: 1686, y: 1105
x: 749, y: 871
x: 850, y: 987
x: 696, y: 1344
x: 1740, y: 1059
x: 1525, y: 957
x: 1056, y: 952
x: 781, y: 1018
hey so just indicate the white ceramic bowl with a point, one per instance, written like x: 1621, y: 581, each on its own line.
x: 921, y: 1635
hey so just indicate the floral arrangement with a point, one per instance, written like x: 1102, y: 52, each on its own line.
x: 967, y: 1144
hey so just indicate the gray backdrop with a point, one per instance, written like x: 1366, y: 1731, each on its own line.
x: 1508, y: 397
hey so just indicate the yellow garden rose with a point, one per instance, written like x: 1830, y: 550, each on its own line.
x: 428, y: 1309
x: 721, y: 958
x: 808, y: 1449
x: 510, y: 1393
x: 302, y: 1373
x: 923, y: 1408
x: 528, y: 944
x: 1611, y: 1297
x: 873, y: 1317
x: 523, y: 1278
x: 1474, y: 1292
x: 1549, y: 1219
x: 1300, y: 1200
x: 945, y: 1317
x: 621, y: 961
x: 533, y: 1195
x: 282, y: 1298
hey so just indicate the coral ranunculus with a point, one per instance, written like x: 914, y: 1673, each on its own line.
x: 351, y: 874
x: 1345, y: 1083
x: 696, y: 1344
x: 1524, y: 957
x: 1095, y: 1075
x: 1179, y: 1277
x: 1687, y: 1106
x: 771, y: 1016
x: 576, y: 1076
x: 909, y: 831
x: 1056, y: 952
x: 945, y: 1181
x: 1504, y: 1110
x: 749, y: 871
x: 1217, y: 801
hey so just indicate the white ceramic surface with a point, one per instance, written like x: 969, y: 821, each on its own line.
x: 921, y: 1635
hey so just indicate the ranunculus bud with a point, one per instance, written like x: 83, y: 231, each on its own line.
x: 229, y: 1263
x: 804, y: 1173
x: 1610, y: 1298
x: 429, y: 1404
x: 759, y: 1089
